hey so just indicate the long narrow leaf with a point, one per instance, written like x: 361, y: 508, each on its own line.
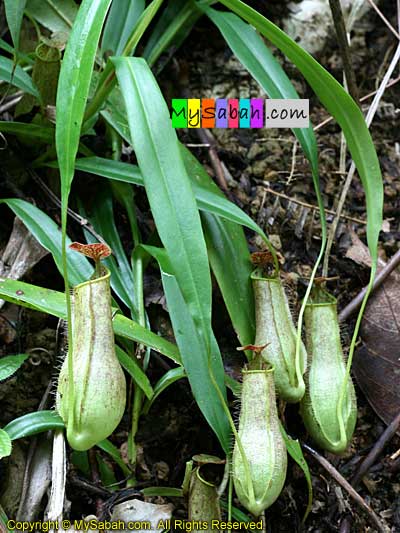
x: 48, y: 234
x: 56, y: 15
x: 15, y: 75
x: 53, y: 303
x: 172, y: 28
x: 28, y: 130
x: 73, y: 85
x: 14, y: 14
x: 167, y: 186
x: 207, y: 194
x: 199, y: 366
x: 33, y: 423
x: 137, y: 374
x: 120, y: 21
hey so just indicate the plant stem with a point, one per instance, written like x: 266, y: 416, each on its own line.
x: 340, y: 28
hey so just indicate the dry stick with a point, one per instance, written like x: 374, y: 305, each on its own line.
x: 16, y: 97
x: 82, y: 221
x: 379, y: 279
x: 206, y: 137
x: 346, y: 486
x: 377, y: 449
x: 311, y: 206
x: 346, y: 186
x: 341, y: 34
x: 363, y: 99
x: 385, y: 20
x: 387, y: 435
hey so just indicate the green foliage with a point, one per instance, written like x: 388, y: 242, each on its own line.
x: 5, y: 444
x: 14, y: 14
x: 122, y: 18
x: 14, y: 74
x: 55, y: 15
x: 10, y: 364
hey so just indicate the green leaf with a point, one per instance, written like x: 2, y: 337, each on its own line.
x: 207, y: 194
x: 14, y: 74
x: 14, y: 14
x: 296, y: 453
x: 28, y: 130
x: 48, y: 234
x: 11, y: 50
x: 40, y: 421
x: 120, y: 21
x: 228, y: 254
x: 113, y: 452
x: 10, y: 364
x: 107, y: 80
x: 230, y: 261
x: 56, y: 15
x: 106, y: 472
x: 167, y: 186
x: 137, y: 374
x: 53, y: 303
x: 202, y: 363
x: 163, y: 383
x: 5, y: 444
x: 33, y: 423
x: 172, y: 28
x: 168, y: 492
x: 74, y: 84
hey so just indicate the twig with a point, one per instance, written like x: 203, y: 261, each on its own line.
x: 379, y: 279
x: 385, y: 20
x: 346, y: 486
x: 346, y: 186
x: 293, y: 166
x: 89, y: 487
x: 13, y: 100
x: 206, y: 137
x: 341, y: 34
x: 363, y: 99
x: 94, y: 470
x: 377, y: 449
x: 82, y: 221
x: 311, y: 206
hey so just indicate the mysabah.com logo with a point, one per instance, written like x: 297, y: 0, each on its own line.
x: 239, y: 113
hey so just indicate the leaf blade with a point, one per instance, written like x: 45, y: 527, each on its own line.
x: 53, y: 303
x: 10, y: 364
x: 73, y: 85
x: 14, y: 14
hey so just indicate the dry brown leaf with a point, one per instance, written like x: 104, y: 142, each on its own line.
x: 377, y: 363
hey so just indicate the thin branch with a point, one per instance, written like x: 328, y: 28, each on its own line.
x: 206, y: 137
x: 347, y: 487
x: 311, y: 206
x: 363, y: 99
x: 82, y: 221
x: 379, y: 279
x: 340, y: 28
x: 385, y: 20
x: 376, y: 451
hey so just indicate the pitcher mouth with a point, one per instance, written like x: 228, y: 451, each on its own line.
x: 106, y: 274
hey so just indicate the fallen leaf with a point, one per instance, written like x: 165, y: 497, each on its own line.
x: 138, y: 511
x: 377, y: 362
